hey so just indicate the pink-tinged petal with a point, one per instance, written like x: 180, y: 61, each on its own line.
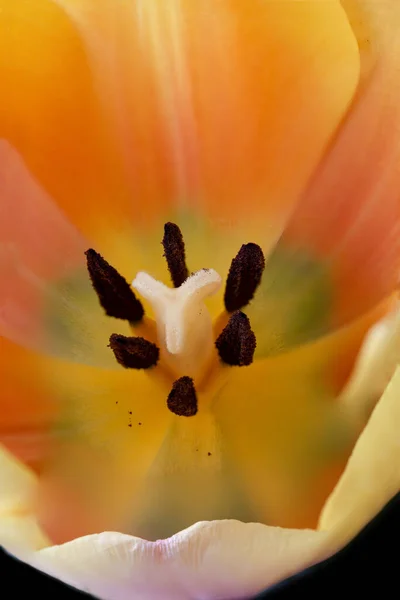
x: 348, y: 221
x: 31, y: 225
x: 210, y: 560
x: 46, y: 300
x: 372, y: 475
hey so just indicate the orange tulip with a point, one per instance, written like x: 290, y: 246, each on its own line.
x: 260, y: 141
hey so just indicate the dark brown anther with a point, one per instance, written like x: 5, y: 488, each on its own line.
x: 182, y: 399
x: 237, y: 342
x: 244, y: 276
x: 134, y: 352
x: 114, y: 292
x: 174, y: 252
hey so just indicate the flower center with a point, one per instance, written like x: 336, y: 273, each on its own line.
x: 182, y: 340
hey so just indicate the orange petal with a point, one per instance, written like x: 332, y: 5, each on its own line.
x: 225, y: 107
x: 49, y: 112
x: 26, y: 410
x: 349, y: 218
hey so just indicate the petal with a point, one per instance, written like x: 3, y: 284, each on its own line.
x: 272, y: 435
x: 375, y: 366
x: 210, y: 560
x: 59, y: 132
x: 108, y: 430
x: 211, y: 106
x: 348, y: 219
x: 268, y: 443
x: 18, y: 529
x: 26, y: 410
x: 286, y: 439
x: 371, y: 476
x: 294, y: 303
x: 46, y: 300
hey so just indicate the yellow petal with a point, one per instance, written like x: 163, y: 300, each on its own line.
x: 375, y: 366
x: 372, y: 475
x: 18, y: 527
x: 285, y: 437
x: 109, y: 428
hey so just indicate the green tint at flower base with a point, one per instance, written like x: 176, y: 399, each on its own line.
x: 293, y: 303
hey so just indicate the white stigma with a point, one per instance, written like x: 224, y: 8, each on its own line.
x: 183, y: 322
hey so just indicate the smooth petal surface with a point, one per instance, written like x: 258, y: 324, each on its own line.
x: 108, y: 430
x: 375, y: 366
x: 192, y: 91
x: 268, y: 443
x: 294, y: 439
x: 372, y: 475
x: 339, y: 254
x: 26, y: 409
x: 19, y: 531
x: 59, y: 131
x: 229, y: 559
x: 211, y: 561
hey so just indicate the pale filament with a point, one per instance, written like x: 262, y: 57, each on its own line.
x: 184, y: 325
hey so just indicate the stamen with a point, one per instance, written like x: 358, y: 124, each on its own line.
x: 244, y: 276
x: 237, y: 342
x: 174, y: 252
x: 134, y: 352
x: 182, y: 399
x: 114, y: 293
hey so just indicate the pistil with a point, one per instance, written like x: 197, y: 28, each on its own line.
x: 184, y: 325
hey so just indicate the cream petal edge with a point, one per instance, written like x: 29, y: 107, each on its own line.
x: 372, y: 474
x: 19, y: 531
x: 210, y: 560
x: 218, y: 559
x: 376, y: 363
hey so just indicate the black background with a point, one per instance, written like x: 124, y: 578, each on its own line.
x: 369, y: 565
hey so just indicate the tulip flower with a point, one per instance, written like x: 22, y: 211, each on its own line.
x: 199, y: 259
